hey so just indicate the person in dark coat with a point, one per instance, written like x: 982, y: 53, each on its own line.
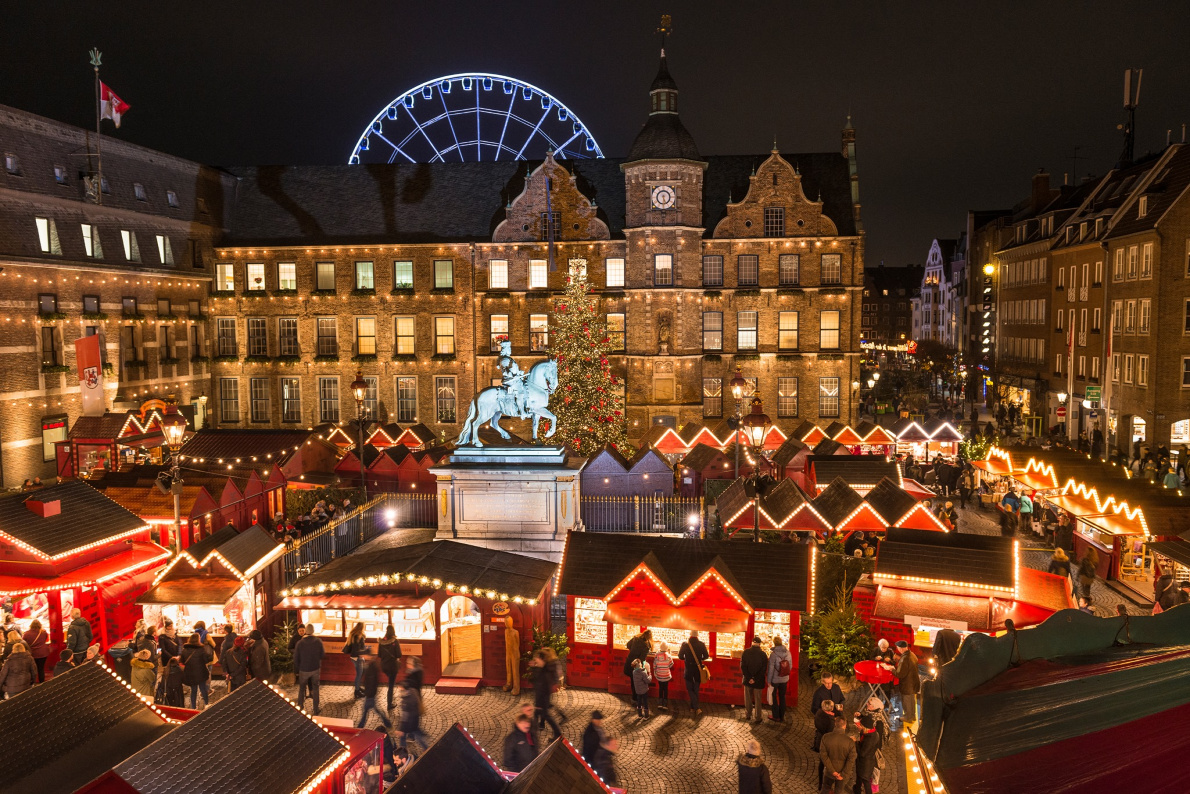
x: 1165, y: 592
x: 389, y: 651
x: 692, y: 655
x: 593, y: 736
x: 638, y: 648
x: 259, y: 663
x: 410, y: 724
x: 754, y: 664
x: 753, y: 775
x: 19, y: 672
x: 415, y: 674
x: 908, y: 681
x: 195, y: 657
x: 946, y: 645
x: 827, y: 690
x: 869, y: 744
x: 307, y: 663
x: 235, y: 665
x: 519, y: 749
x: 296, y: 637
x: 173, y: 694
x: 65, y: 662
x: 824, y: 723
x: 371, y: 685
x: 78, y: 635
x: 838, y: 758
x: 545, y: 679
x: 167, y: 640
x: 605, y: 761
x: 39, y: 647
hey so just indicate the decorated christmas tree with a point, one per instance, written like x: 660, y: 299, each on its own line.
x: 588, y: 402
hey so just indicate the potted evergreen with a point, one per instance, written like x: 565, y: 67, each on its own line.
x: 837, y: 638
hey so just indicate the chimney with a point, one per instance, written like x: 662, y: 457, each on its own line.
x: 1041, y: 189
x: 44, y: 509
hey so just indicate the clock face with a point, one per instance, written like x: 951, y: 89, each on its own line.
x: 663, y: 197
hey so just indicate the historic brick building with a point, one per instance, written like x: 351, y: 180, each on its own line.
x: 134, y: 269
x: 887, y: 312
x: 411, y: 272
x: 257, y: 293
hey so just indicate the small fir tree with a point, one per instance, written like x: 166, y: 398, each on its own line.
x: 587, y: 402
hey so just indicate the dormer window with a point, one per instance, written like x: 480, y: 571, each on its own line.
x: 139, y: 191
x: 12, y: 164
x: 1142, y: 207
x: 1082, y: 230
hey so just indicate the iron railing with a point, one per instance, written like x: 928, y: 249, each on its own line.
x: 671, y: 515
x: 344, y: 535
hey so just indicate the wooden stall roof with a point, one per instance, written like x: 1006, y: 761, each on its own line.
x: 480, y: 570
x: 837, y: 501
x: 558, y: 769
x: 861, y: 472
x: 948, y: 557
x: 454, y: 762
x: 890, y: 501
x: 789, y: 451
x: 61, y: 735
x: 146, y: 501
x: 205, y: 590
x: 86, y: 517
x: 872, y: 433
x: 766, y: 575
x: 224, y: 748
x: 211, y: 445
x: 137, y: 556
x: 783, y: 506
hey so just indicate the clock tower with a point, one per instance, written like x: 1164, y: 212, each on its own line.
x: 663, y: 171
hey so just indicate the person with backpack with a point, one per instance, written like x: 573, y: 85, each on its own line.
x: 868, y: 756
x: 780, y: 669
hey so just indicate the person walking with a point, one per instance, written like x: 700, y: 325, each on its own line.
x: 780, y: 668
x: 260, y: 665
x: 663, y: 665
x: 641, y: 681
x: 357, y: 648
x: 605, y: 761
x: 519, y: 747
x: 389, y: 651
x: 39, y: 647
x: 307, y: 662
x: 1059, y: 563
x: 751, y: 772
x: 235, y: 666
x: 195, y: 656
x: 867, y: 754
x: 693, y: 654
x: 908, y: 681
x: 544, y: 680
x: 754, y: 664
x: 371, y: 687
x: 1088, y: 568
x: 593, y: 736
x: 78, y: 634
x: 19, y: 671
x: 412, y: 706
x: 966, y: 486
x: 838, y: 758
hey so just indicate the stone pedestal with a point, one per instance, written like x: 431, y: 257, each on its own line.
x: 519, y: 499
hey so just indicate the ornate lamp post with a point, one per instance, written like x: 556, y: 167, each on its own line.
x: 738, y: 386
x: 359, y: 389
x: 173, y: 425
x: 756, y: 426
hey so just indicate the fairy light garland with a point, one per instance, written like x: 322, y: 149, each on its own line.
x: 164, y: 555
x: 77, y: 550
x: 395, y: 578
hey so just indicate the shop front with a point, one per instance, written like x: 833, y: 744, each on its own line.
x: 447, y: 602
x: 725, y: 592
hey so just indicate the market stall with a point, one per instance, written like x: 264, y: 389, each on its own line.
x: 927, y: 581
x: 446, y: 600
x: 227, y: 578
x: 68, y: 546
x: 726, y: 591
x: 925, y: 440
x: 1114, y: 528
x: 109, y: 441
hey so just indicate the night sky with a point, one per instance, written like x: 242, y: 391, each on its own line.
x: 956, y: 104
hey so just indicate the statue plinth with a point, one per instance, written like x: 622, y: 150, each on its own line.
x: 509, y: 455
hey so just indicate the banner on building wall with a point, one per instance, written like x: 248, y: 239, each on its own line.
x: 86, y: 353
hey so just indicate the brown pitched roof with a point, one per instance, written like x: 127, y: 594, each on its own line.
x: 86, y: 516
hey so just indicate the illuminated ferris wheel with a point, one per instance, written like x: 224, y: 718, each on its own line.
x: 473, y: 117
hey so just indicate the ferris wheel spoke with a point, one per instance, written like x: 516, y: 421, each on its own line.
x: 453, y: 134
x: 504, y: 129
x: 567, y: 143
x: 422, y: 130
x: 478, y: 131
x: 532, y: 134
x: 396, y: 149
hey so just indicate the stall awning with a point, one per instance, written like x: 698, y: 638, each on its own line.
x: 193, y: 590
x: 142, y: 440
x: 353, y: 601
x: 141, y: 555
x: 664, y: 616
x: 1176, y: 550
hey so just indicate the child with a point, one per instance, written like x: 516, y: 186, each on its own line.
x: 641, y: 679
x: 663, y: 665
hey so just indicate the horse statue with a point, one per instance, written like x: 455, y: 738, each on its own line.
x: 497, y: 401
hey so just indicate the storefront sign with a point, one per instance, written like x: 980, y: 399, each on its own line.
x: 410, y: 649
x: 935, y: 623
x: 501, y: 608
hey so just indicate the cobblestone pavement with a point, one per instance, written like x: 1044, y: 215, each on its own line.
x: 666, y: 754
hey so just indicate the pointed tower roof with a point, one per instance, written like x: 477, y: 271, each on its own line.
x: 663, y: 137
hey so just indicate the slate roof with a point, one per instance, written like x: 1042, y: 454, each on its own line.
x: 199, y: 550
x: 837, y: 501
x: 978, y: 559
x: 889, y: 500
x: 228, y: 748
x: 249, y: 547
x: 448, y: 560
x: 855, y: 470
x: 788, y: 451
x: 782, y: 500
x: 87, y: 516
x: 690, y: 431
x: 146, y: 500
x: 61, y: 735
x: 242, y: 444
x: 108, y: 425
x: 454, y: 763
x: 464, y: 202
x: 557, y: 770
x: 649, y: 459
x: 767, y: 575
x: 700, y: 457
x: 663, y: 137
x: 734, y: 498
x: 828, y: 446
x: 1168, y: 185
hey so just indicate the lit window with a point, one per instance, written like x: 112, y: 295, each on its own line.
x: 746, y: 330
x: 225, y: 280
x: 325, y: 276
x: 444, y: 336
x: 165, y: 252
x: 828, y: 330
x: 663, y: 270
x: 712, y: 330
x: 1133, y: 257
x: 786, y: 397
x: 255, y: 271
x: 538, y: 274
x: 616, y: 327
x: 365, y: 336
x: 1146, y: 260
x: 787, y: 330
x: 1128, y: 363
x: 229, y: 400
x: 615, y: 272
x: 498, y: 274
x: 444, y: 274
x: 402, y: 274
x: 1142, y: 206
x: 539, y: 332
x: 287, y: 276
x: 828, y: 397
x: 47, y: 236
x: 364, y: 276
x: 712, y: 397
x: 406, y: 340
x: 91, y: 242
x: 131, y: 249
x: 1146, y: 308
x: 446, y: 399
x: 291, y: 400
x: 498, y: 330
x: 1142, y: 370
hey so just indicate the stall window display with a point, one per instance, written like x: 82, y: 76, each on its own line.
x: 239, y: 611
x: 415, y: 623
x: 622, y: 633
x: 589, y: 625
x: 675, y: 637
x: 459, y: 611
x: 769, y: 625
x: 729, y: 646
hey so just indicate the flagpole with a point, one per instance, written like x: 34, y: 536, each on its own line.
x: 95, y: 61
x: 1070, y: 383
x: 1109, y: 372
x: 549, y: 224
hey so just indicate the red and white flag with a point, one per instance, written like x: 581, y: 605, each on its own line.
x: 110, y: 105
x: 90, y: 366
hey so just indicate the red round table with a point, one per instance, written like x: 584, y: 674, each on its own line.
x: 874, y: 674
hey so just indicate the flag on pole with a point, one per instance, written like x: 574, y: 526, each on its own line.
x: 111, y: 106
x: 90, y: 366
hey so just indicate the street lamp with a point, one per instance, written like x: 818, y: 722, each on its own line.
x: 359, y: 388
x: 756, y: 427
x: 738, y: 385
x: 173, y: 426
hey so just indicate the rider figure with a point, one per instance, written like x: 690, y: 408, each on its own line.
x: 513, y: 378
